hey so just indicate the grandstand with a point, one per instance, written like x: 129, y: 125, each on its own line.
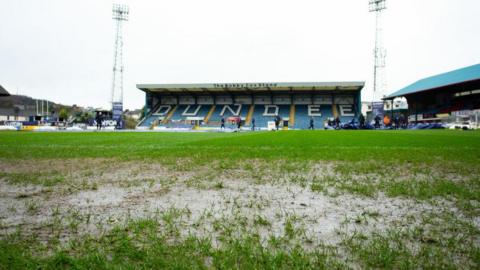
x: 436, y: 98
x: 189, y: 105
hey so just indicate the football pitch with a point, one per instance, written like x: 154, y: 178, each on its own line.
x: 252, y: 200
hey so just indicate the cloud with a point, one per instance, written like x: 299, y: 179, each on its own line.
x: 63, y: 50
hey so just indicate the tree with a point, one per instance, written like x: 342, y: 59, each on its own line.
x: 63, y: 114
x: 85, y: 117
x: 130, y: 123
x: 142, y: 114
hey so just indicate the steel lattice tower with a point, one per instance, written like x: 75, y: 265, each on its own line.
x: 120, y: 14
x: 378, y: 6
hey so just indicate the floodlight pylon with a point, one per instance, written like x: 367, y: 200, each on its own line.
x: 378, y: 6
x: 119, y: 14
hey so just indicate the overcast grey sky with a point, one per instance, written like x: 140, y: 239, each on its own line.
x: 62, y: 50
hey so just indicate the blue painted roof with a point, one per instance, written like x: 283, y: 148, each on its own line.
x: 453, y: 77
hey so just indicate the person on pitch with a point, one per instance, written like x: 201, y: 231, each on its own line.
x: 312, y: 122
x: 99, y: 120
x: 222, y: 125
x: 239, y: 124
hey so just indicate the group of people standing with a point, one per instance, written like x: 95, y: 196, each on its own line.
x: 399, y: 121
x: 102, y: 121
x: 334, y: 122
x: 238, y: 122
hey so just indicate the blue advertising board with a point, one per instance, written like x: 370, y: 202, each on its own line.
x: 377, y: 109
x: 117, y: 111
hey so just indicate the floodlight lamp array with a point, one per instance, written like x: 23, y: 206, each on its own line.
x: 120, y: 12
x: 377, y: 5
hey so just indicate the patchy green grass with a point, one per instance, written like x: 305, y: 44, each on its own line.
x: 144, y: 244
x: 33, y: 178
x: 394, y: 250
x: 427, y: 166
x: 423, y: 189
x: 399, y: 146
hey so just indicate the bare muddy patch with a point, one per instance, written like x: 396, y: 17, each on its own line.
x: 266, y: 209
x: 320, y: 201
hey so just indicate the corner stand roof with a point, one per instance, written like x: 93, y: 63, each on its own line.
x: 471, y: 73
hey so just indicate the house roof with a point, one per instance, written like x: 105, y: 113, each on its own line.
x: 466, y: 74
x: 3, y: 92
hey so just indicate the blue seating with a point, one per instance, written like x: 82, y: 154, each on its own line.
x: 261, y: 121
x: 148, y: 122
x: 177, y: 115
x: 302, y: 119
x: 177, y: 125
x: 344, y: 119
x: 203, y: 112
x: 284, y: 111
x: 216, y: 117
x: 178, y: 120
x: 327, y: 111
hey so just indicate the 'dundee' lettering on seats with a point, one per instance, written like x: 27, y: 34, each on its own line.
x: 163, y: 110
x: 233, y: 112
x: 187, y: 112
x: 346, y: 110
x: 271, y: 110
x: 314, y: 110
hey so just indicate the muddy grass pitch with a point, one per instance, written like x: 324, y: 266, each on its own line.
x: 266, y: 200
